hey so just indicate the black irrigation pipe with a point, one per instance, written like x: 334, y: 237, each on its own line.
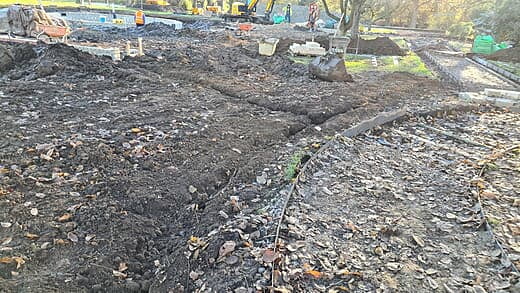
x: 380, y: 119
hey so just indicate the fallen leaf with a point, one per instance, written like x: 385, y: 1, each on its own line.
x: 64, y: 217
x: 314, y: 274
x: 135, y: 130
x: 378, y: 250
x: 227, y: 248
x: 31, y: 236
x: 352, y: 227
x: 418, y: 240
x: 72, y: 237
x: 122, y: 267
x: 5, y: 224
x: 118, y: 274
x: 269, y: 256
x: 16, y: 259
x: 346, y: 272
x: 60, y: 241
x: 489, y: 195
x: 6, y: 241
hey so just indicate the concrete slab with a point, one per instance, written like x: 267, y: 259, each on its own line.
x: 106, y: 19
x: 502, y: 94
x: 478, y: 98
x: 307, y: 49
x: 113, y: 53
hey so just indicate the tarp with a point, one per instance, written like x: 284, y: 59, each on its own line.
x: 25, y: 21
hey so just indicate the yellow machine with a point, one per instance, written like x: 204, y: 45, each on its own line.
x: 214, y: 9
x: 240, y: 10
x: 197, y: 11
x: 157, y: 2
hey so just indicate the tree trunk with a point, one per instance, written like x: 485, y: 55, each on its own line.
x: 356, y: 17
x: 415, y: 13
x: 328, y: 11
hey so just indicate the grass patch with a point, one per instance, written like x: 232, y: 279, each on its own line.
x: 401, y: 43
x: 410, y: 63
x: 292, y: 167
x: 460, y: 46
x: 508, y: 66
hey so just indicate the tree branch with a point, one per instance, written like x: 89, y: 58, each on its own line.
x: 328, y: 11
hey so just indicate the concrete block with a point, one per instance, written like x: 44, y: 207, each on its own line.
x: 506, y: 103
x: 307, y: 49
x: 113, y: 53
x: 474, y: 97
x: 502, y: 94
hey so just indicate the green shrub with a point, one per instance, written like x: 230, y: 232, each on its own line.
x: 462, y: 31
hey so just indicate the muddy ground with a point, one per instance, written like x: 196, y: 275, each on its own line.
x: 131, y: 176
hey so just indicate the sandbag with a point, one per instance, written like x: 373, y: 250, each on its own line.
x: 329, y: 68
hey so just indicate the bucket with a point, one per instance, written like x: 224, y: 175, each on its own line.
x: 267, y: 47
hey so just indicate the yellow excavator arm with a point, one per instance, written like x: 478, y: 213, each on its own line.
x: 268, y: 8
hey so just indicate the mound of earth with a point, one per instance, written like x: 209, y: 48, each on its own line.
x: 382, y: 46
x: 13, y: 55
x: 506, y: 55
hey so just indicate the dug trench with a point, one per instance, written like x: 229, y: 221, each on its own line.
x: 109, y: 169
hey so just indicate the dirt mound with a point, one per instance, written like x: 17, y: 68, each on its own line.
x: 506, y: 55
x: 15, y: 55
x: 382, y: 46
x: 285, y: 43
x: 60, y: 58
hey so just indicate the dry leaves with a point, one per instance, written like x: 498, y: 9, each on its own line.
x: 64, y: 217
x: 314, y: 273
x: 32, y: 236
x: 16, y: 259
x: 269, y: 256
x: 226, y: 248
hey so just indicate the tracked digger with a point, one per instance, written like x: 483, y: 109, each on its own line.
x: 247, y: 12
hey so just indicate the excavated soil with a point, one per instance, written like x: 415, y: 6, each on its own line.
x: 382, y: 46
x: 506, y: 55
x: 131, y: 176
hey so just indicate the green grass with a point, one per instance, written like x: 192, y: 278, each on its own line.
x: 292, y: 166
x: 410, y: 63
x: 508, y: 66
x: 461, y: 46
x: 401, y: 43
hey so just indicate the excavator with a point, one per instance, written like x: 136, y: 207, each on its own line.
x: 247, y: 12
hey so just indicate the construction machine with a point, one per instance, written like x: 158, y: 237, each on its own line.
x: 157, y: 5
x: 241, y: 11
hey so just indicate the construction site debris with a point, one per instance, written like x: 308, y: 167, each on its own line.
x: 29, y: 21
x: 307, y: 49
x: 267, y: 47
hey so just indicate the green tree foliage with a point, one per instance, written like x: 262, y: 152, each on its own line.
x: 506, y: 20
x: 461, y: 30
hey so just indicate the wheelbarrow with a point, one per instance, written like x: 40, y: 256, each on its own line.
x: 49, y: 33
